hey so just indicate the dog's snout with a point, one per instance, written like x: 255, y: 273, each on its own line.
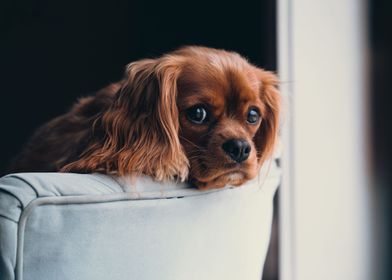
x: 237, y: 149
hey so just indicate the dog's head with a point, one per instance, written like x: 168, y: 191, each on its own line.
x: 198, y: 113
x: 228, y: 112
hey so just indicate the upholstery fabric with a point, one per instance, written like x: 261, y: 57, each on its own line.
x: 63, y: 226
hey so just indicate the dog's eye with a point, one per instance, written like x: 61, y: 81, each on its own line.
x: 253, y: 116
x: 197, y: 114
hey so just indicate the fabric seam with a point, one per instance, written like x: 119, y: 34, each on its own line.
x: 79, y: 199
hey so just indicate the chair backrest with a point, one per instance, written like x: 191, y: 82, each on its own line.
x: 92, y: 227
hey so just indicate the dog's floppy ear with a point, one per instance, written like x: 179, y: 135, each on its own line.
x: 140, y: 129
x: 266, y: 136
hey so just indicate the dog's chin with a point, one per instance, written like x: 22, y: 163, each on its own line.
x: 233, y: 178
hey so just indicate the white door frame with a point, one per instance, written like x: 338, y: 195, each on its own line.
x: 325, y: 224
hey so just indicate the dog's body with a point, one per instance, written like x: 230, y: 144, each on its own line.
x: 197, y: 114
x: 63, y: 139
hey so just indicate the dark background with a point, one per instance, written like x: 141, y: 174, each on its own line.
x: 380, y: 99
x: 52, y: 52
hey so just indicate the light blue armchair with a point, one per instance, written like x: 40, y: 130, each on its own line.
x: 58, y: 226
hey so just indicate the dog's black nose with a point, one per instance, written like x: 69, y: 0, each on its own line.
x: 237, y: 149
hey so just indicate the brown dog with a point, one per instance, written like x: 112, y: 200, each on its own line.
x: 197, y: 114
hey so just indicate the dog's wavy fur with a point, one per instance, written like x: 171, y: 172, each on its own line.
x: 137, y: 125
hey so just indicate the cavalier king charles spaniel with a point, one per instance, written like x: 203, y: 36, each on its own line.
x: 198, y: 114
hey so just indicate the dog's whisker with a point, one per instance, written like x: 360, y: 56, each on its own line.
x: 196, y: 157
x: 193, y: 144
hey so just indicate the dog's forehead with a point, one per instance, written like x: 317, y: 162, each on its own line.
x: 219, y: 84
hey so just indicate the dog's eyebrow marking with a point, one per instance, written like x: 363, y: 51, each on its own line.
x: 207, y: 99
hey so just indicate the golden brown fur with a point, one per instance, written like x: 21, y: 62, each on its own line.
x: 140, y: 124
